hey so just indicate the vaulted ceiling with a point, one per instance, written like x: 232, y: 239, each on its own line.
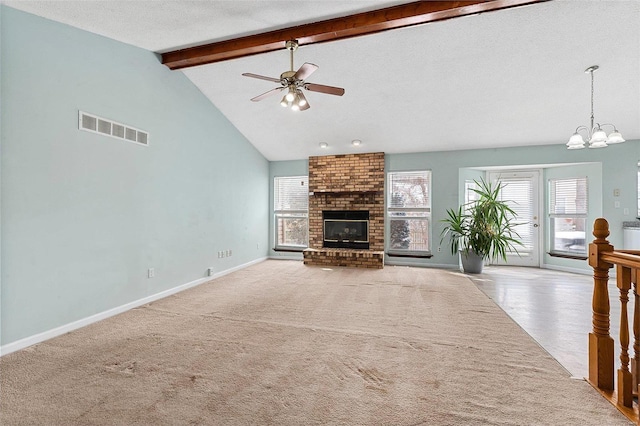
x: 511, y: 77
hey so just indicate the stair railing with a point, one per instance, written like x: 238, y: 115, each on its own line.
x: 603, y: 257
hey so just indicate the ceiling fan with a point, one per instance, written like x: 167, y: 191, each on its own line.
x: 293, y: 82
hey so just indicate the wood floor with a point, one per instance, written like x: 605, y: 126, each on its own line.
x: 553, y: 307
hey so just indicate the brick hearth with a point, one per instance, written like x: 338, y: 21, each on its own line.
x: 346, y: 182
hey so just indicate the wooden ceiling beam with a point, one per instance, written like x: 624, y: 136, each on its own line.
x: 404, y: 15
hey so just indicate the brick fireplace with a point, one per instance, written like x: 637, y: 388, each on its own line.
x: 346, y: 186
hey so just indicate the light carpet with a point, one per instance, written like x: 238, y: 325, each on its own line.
x: 280, y: 343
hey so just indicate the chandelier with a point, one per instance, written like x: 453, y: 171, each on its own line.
x: 595, y: 135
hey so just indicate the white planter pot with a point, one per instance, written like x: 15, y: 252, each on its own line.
x: 472, y: 262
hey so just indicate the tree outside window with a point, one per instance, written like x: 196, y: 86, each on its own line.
x: 409, y: 212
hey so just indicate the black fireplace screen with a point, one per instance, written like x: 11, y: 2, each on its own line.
x: 346, y: 229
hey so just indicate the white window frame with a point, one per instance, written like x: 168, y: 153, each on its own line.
x: 416, y: 213
x: 638, y: 189
x: 283, y: 210
x: 576, y: 214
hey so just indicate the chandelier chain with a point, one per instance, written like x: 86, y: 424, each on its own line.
x: 592, y: 117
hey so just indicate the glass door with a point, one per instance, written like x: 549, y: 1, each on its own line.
x: 520, y: 189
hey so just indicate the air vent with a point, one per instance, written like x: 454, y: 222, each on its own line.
x: 94, y: 124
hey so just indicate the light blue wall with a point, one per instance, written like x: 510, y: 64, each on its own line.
x: 619, y: 168
x: 86, y: 215
x: 611, y: 168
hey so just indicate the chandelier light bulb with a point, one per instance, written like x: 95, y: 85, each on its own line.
x: 615, y: 137
x: 301, y: 101
x: 295, y: 107
x: 599, y: 137
x: 284, y: 102
x: 598, y: 144
x: 575, y: 142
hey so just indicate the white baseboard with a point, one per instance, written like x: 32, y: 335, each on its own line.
x: 287, y: 256
x: 46, y: 335
x: 421, y: 265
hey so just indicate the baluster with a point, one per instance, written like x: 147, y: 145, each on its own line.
x: 625, y: 379
x: 635, y: 362
x: 600, y: 342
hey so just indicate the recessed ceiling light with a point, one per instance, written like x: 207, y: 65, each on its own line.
x: 356, y: 142
x: 323, y: 144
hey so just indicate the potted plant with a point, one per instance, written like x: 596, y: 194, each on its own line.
x: 482, y: 229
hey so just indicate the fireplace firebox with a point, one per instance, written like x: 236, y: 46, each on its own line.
x: 346, y: 229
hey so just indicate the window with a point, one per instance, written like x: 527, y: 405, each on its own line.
x: 291, y: 210
x: 470, y: 195
x: 409, y: 212
x: 568, y: 215
x: 638, y: 181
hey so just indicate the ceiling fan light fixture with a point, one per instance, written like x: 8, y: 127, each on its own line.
x: 300, y: 100
x: 291, y: 95
x: 323, y: 145
x: 356, y: 142
x: 292, y: 81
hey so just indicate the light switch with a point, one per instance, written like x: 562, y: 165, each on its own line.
x: 616, y: 193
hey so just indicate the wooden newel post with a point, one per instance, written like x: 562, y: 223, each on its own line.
x: 600, y: 342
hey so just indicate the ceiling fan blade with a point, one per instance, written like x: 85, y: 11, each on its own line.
x: 306, y: 102
x: 261, y: 77
x: 267, y: 94
x: 305, y: 71
x: 330, y: 90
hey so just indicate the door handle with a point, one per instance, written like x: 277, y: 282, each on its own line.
x: 535, y: 225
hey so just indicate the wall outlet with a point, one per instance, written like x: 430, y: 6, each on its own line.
x: 616, y: 204
x: 151, y: 272
x: 226, y: 253
x: 439, y: 249
x: 230, y: 252
x: 210, y: 272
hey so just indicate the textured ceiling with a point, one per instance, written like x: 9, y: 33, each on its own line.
x: 507, y: 78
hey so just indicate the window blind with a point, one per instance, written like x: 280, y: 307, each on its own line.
x: 518, y: 193
x: 291, y: 193
x: 568, y: 196
x: 409, y: 189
